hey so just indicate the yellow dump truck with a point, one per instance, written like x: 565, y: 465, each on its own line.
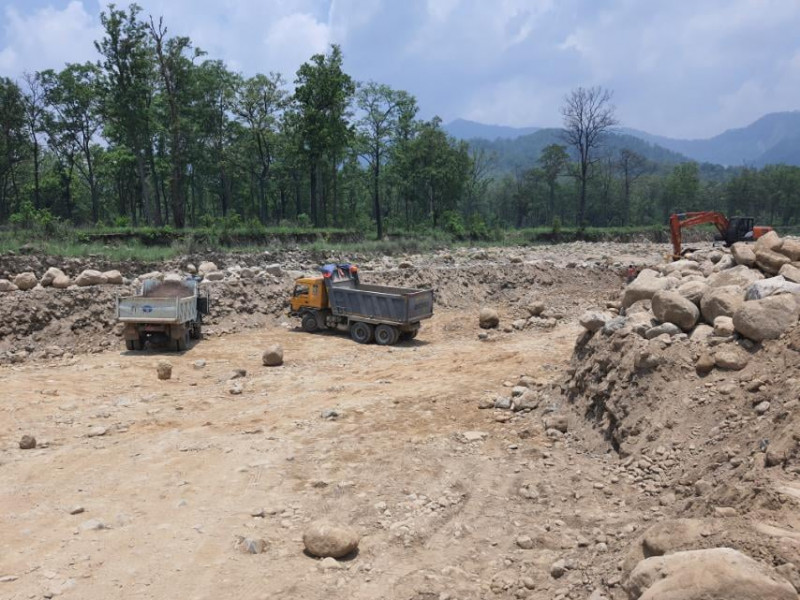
x: 337, y: 299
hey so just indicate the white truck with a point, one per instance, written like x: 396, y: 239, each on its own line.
x: 169, y: 312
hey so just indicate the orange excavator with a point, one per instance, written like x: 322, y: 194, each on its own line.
x: 735, y: 229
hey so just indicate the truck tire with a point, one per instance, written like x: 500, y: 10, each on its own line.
x: 182, y: 342
x: 361, y: 332
x: 309, y: 323
x: 386, y: 335
x: 409, y: 335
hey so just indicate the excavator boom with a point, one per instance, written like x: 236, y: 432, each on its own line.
x: 678, y: 221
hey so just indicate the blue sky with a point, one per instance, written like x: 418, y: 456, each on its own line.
x: 685, y: 68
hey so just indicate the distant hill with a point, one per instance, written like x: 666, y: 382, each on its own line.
x: 523, y: 152
x: 774, y: 138
x: 461, y: 129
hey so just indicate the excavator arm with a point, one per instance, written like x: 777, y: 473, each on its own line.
x: 680, y: 220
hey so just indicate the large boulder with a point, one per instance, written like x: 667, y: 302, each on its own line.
x: 791, y: 248
x: 7, y: 286
x: 325, y: 539
x: 741, y: 276
x: 90, y: 277
x: 693, y: 291
x: 769, y: 241
x: 714, y: 574
x: 721, y: 302
x: 113, y: 277
x: 681, y: 266
x: 273, y: 356
x: 671, y: 307
x: 488, y: 318
x: 207, y: 267
x: 645, y: 286
x: 594, y: 320
x: 766, y: 319
x: 49, y: 276
x: 61, y: 282
x: 743, y: 254
x: 771, y: 287
x: 770, y: 261
x: 25, y: 281
x: 790, y: 273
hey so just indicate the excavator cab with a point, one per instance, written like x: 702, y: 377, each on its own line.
x: 740, y: 229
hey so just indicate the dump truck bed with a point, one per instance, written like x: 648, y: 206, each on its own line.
x: 380, y: 304
x: 141, y: 309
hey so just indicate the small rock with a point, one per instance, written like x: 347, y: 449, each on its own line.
x: 525, y: 542
x: 557, y: 422
x: 236, y: 389
x: 330, y: 564
x: 558, y: 568
x: 762, y: 407
x: 731, y: 360
x: 474, y: 436
x: 273, y: 356
x: 98, y: 431
x: 705, y: 363
x: 247, y: 545
x: 27, y: 442
x: 199, y: 364
x: 93, y: 525
x: 488, y: 318
x: 76, y: 510
x: 164, y: 370
x: 325, y: 539
x: 774, y: 458
x: 25, y: 281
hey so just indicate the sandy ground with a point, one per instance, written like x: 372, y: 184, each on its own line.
x: 183, y: 464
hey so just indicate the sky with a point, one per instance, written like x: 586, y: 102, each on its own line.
x: 681, y: 68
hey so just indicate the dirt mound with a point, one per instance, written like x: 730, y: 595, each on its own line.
x: 705, y: 421
x: 168, y: 289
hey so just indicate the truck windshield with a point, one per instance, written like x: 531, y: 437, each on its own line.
x: 301, y: 290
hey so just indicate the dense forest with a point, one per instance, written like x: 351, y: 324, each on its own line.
x: 156, y: 133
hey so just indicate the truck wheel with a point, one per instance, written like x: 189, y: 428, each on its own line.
x: 409, y: 335
x: 361, y: 332
x: 309, y: 323
x: 182, y: 342
x: 386, y: 335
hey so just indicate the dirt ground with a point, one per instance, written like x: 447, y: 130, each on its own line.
x: 183, y: 464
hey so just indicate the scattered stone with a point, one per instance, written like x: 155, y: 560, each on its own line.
x: 114, y: 277
x: 76, y: 510
x: 558, y: 568
x: 236, y: 389
x: 766, y: 319
x: 558, y: 422
x: 97, y: 431
x: 731, y: 360
x: 90, y: 277
x: 769, y: 241
x: 594, y: 321
x: 214, y: 276
x: 762, y: 407
x: 274, y: 269
x: 488, y: 318
x: 7, y: 286
x: 273, y: 356
x: 721, y: 302
x: 199, y: 364
x: 743, y: 254
x: 525, y: 542
x: 771, y: 262
x: 663, y: 329
x: 535, y: 309
x: 330, y: 564
x: 61, y: 282
x: 693, y: 291
x: 675, y: 534
x: 705, y: 363
x: 325, y: 539
x: 645, y: 286
x: 164, y: 370
x: 207, y: 267
x: 405, y: 265
x: 247, y: 545
x: 790, y: 273
x: 50, y: 275
x: 93, y: 525
x: 723, y: 326
x: 27, y: 442
x: 25, y: 281
x: 473, y: 436
x: 774, y: 458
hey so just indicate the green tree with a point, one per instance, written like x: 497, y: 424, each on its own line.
x: 12, y: 144
x: 553, y: 162
x: 381, y: 107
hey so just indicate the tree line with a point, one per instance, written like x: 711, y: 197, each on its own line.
x: 156, y: 133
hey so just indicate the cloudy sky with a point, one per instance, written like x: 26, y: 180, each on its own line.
x: 684, y: 68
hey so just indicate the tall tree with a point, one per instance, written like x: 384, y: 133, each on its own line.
x: 12, y: 142
x: 73, y: 98
x: 381, y: 108
x: 322, y: 94
x: 128, y: 80
x: 553, y: 161
x: 35, y: 126
x: 588, y: 115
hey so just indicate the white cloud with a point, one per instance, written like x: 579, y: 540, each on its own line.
x: 47, y: 38
x: 292, y: 40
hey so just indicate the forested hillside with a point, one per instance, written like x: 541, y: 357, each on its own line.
x: 157, y: 133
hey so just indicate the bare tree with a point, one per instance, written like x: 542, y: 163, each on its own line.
x: 588, y: 115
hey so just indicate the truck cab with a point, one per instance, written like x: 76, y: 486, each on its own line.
x: 309, y: 293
